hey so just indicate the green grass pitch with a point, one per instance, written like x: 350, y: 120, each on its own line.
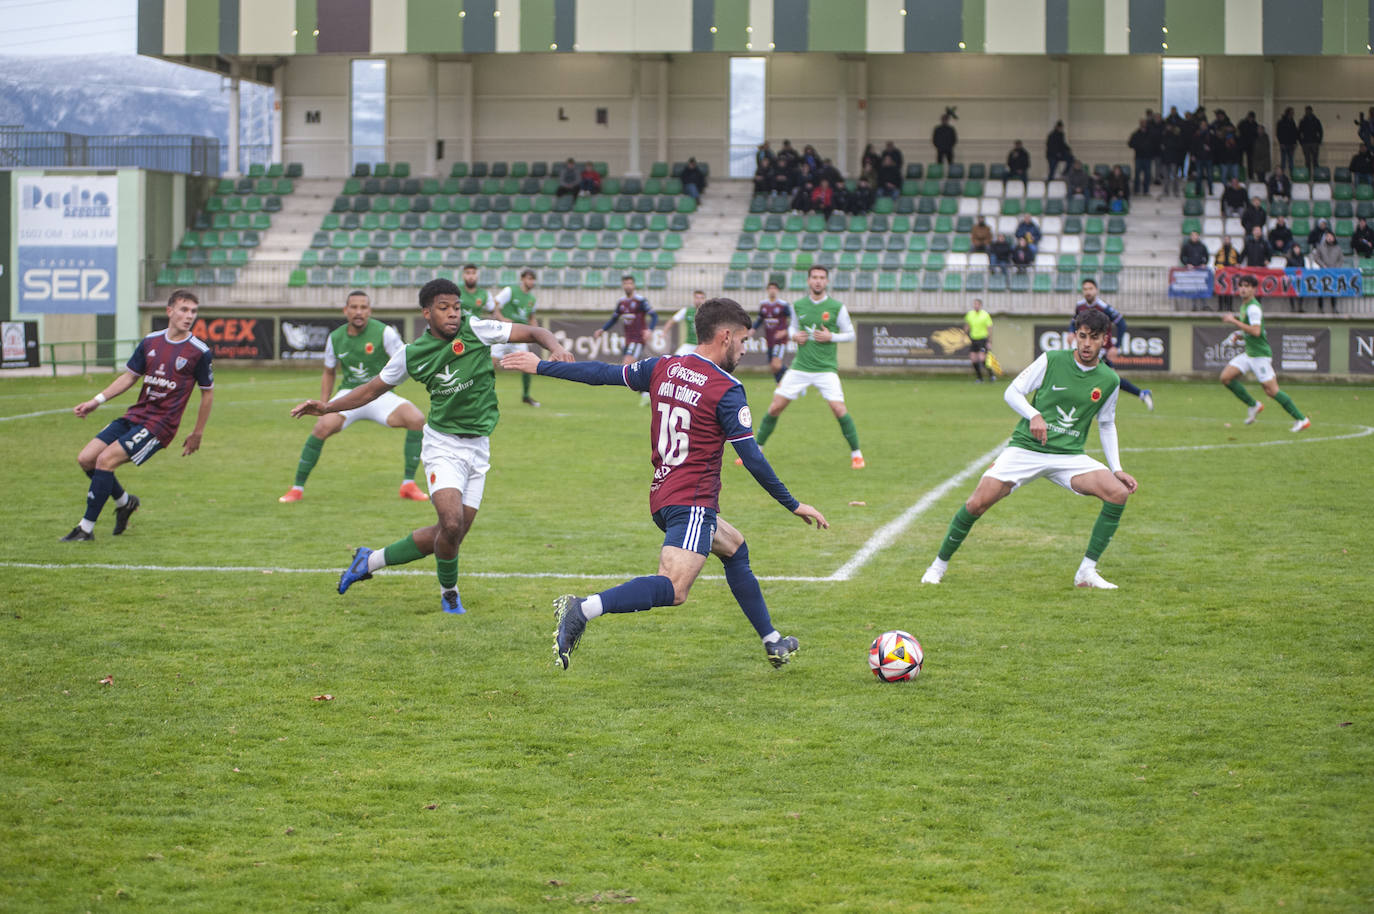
x: 1199, y: 740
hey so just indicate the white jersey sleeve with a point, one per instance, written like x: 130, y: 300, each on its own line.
x: 680, y: 316
x: 846, y: 332
x: 1106, y: 432
x: 1025, y: 384
x: 330, y: 359
x: 491, y: 332
x: 1253, y: 314
x: 395, y: 371
x: 500, y: 299
x: 391, y: 340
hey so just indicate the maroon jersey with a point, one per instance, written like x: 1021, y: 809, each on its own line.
x: 169, y: 371
x: 775, y: 317
x: 635, y: 312
x: 697, y: 407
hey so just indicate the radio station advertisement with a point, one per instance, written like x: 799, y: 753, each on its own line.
x: 1139, y: 349
x: 1362, y: 350
x: 303, y: 338
x: 900, y: 344
x: 67, y: 244
x: 233, y: 337
x: 1299, y: 350
x: 20, y: 344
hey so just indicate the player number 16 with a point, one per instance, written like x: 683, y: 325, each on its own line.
x: 672, y: 433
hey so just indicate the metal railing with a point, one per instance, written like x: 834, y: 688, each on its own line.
x: 184, y: 154
x: 103, y: 354
x: 1134, y: 290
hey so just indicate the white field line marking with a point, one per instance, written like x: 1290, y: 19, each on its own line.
x: 44, y: 412
x: 884, y: 535
x: 1364, y: 431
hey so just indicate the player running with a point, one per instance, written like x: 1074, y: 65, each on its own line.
x: 1257, y: 358
x: 1090, y: 300
x: 775, y: 319
x: 1069, y: 387
x: 698, y: 406
x: 688, y: 318
x: 169, y: 361
x: 637, y: 313
x: 818, y: 323
x: 977, y: 324
x: 516, y: 304
x: 452, y: 359
x: 362, y: 345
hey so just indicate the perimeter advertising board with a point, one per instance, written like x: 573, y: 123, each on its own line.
x: 1303, y: 350
x: 67, y: 244
x: 1139, y: 349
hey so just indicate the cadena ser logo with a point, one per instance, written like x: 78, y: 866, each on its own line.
x: 1096, y: 394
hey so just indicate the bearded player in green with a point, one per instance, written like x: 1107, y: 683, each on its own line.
x: 516, y: 305
x: 452, y: 359
x: 475, y: 302
x: 818, y: 323
x: 1069, y: 388
x: 362, y: 346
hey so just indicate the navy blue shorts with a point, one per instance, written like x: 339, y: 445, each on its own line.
x: 777, y: 351
x: 687, y: 527
x: 136, y: 440
x: 633, y: 350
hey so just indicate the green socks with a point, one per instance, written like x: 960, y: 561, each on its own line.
x: 413, y: 441
x: 310, y: 455
x: 1106, y: 525
x: 1241, y: 393
x: 851, y: 434
x: 1287, y: 403
x: 766, y: 426
x: 448, y: 572
x: 403, y: 551
x: 524, y: 385
x: 958, y: 529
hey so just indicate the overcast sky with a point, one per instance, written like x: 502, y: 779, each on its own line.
x: 60, y: 27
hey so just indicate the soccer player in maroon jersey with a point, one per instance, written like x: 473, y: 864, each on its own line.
x: 639, y: 318
x: 698, y: 406
x: 775, y: 316
x: 169, y: 361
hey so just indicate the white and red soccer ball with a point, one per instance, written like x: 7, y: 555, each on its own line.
x: 895, y: 656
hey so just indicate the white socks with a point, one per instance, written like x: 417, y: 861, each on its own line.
x: 1087, y: 565
x: 122, y: 500
x: 87, y: 526
x: 376, y: 561
x: 591, y: 606
x: 772, y: 637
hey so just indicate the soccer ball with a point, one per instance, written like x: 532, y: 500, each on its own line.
x: 895, y: 656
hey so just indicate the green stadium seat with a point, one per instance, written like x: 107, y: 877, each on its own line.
x: 1068, y: 263
x: 974, y: 280
x: 1093, y: 226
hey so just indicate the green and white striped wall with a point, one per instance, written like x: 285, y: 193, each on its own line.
x: 175, y: 28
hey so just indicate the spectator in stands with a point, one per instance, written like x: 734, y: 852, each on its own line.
x: 568, y: 180
x: 787, y: 155
x: 1023, y: 255
x: 783, y: 180
x: 999, y: 253
x: 1310, y: 136
x: 823, y: 198
x: 811, y: 157
x: 1200, y: 149
x: 763, y: 177
x: 1246, y: 131
x: 1328, y: 256
x: 591, y: 179
x: 869, y: 160
x: 1227, y: 256
x: 1028, y: 230
x: 1296, y: 257
x: 1229, y: 155
x: 890, y: 176
x: 944, y: 138
x: 1118, y: 186
x: 860, y: 198
x: 1018, y: 165
x: 1261, y: 159
x: 1174, y: 119
x: 890, y: 149
x: 1366, y: 130
x: 1362, y: 166
x: 1253, y: 215
x: 694, y: 181
x: 1280, y: 185
x: 1362, y: 239
x: 1280, y: 236
x: 1256, y: 251
x: 1057, y: 149
x: 802, y: 198
x: 1079, y: 181
x: 764, y: 157
x: 828, y: 171
x: 1233, y: 199
x: 1145, y: 150
x: 1315, y: 236
x: 980, y: 236
x: 841, y: 194
x: 1155, y: 125
x: 1194, y: 254
x: 1173, y: 152
x: 1286, y: 132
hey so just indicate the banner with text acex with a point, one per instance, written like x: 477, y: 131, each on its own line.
x: 67, y: 243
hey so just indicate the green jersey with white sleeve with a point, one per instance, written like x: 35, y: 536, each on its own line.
x: 1253, y: 314
x: 1068, y: 396
x: 457, y: 373
x: 809, y: 315
x: 514, y: 303
x: 688, y: 316
x: 363, y: 356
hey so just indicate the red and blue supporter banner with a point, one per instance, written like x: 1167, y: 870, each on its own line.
x: 1294, y: 282
x: 1186, y: 282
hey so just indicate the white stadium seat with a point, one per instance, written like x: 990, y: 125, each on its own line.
x: 968, y: 206
x: 1211, y: 208
x: 1053, y: 225
x: 1212, y: 226
x: 1045, y: 261
x: 978, y: 261
x: 1234, y: 228
x: 989, y: 207
x: 1049, y: 244
x: 993, y: 189
x: 1257, y: 189
x: 956, y: 261
x: 1070, y: 244
x: 1035, y: 190
x: 1302, y: 191
x: 1007, y: 224
x: 1320, y: 191
x: 1057, y: 188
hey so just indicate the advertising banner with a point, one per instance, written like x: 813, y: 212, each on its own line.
x: 304, y: 337
x: 233, y: 337
x: 67, y: 242
x: 19, y: 340
x: 1294, y: 282
x: 1362, y: 350
x: 1301, y: 350
x: 1186, y: 283
x: 1139, y: 349
x: 902, y: 344
x: 577, y: 337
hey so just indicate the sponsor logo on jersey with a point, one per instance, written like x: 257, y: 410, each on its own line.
x: 683, y: 373
x: 1057, y: 387
x: 1096, y: 394
x: 458, y: 346
x: 369, y: 348
x: 1072, y: 415
x: 825, y: 315
x: 447, y: 375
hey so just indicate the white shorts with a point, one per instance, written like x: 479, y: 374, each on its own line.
x: 457, y: 463
x: 1261, y: 366
x: 377, y: 411
x: 794, y: 384
x: 501, y: 350
x: 1019, y: 466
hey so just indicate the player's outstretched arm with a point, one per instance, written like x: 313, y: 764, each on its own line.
x: 192, y: 442
x: 115, y: 388
x: 809, y: 514
x: 528, y: 333
x: 585, y: 372
x: 327, y: 382
x: 358, y: 396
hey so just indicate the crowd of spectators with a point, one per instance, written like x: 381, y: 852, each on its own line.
x: 813, y: 184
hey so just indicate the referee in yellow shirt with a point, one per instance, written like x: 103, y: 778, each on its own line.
x: 977, y: 323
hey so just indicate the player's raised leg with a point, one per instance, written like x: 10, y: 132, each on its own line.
x: 1230, y: 379
x: 987, y: 493
x: 1113, y: 491
x: 98, y: 460
x: 1300, y: 421
x: 406, y: 416
x: 729, y: 546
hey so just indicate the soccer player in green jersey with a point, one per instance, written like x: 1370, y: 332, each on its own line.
x: 1069, y: 388
x: 818, y: 323
x: 475, y: 302
x: 688, y: 318
x: 977, y: 324
x: 516, y: 305
x: 362, y: 346
x: 452, y: 359
x: 1257, y: 358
